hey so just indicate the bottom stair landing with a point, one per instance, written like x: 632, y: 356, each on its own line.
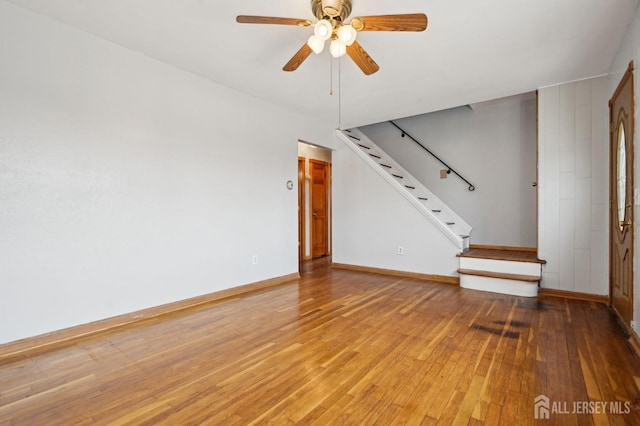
x: 508, y: 270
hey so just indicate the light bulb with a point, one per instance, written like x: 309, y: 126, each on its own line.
x: 337, y: 48
x: 347, y: 34
x: 316, y: 44
x: 323, y: 29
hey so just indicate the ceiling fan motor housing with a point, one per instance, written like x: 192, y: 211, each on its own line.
x: 331, y: 9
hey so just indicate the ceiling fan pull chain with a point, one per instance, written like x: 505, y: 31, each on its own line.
x: 330, y: 76
x: 339, y: 94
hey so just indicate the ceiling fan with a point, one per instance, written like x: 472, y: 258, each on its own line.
x: 332, y: 24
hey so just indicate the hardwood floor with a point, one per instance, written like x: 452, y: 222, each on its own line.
x: 339, y: 347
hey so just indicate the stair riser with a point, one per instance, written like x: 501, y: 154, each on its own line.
x: 502, y: 266
x: 498, y: 285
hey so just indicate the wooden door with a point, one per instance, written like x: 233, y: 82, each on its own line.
x: 319, y: 210
x: 621, y: 212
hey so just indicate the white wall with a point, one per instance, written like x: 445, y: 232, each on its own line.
x: 126, y: 183
x: 629, y: 51
x: 493, y: 146
x: 573, y: 185
x: 371, y: 219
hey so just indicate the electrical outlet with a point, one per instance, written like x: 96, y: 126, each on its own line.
x: 443, y: 174
x: 254, y: 259
x: 400, y: 250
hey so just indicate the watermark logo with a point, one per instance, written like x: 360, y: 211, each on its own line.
x: 543, y: 407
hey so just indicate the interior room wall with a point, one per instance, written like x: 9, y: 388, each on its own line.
x: 126, y: 183
x: 371, y: 220
x: 573, y: 185
x: 493, y: 145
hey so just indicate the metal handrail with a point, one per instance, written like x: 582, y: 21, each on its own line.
x: 449, y: 169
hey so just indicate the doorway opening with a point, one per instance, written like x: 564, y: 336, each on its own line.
x: 314, y: 201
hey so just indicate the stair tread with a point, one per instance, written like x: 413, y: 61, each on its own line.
x: 501, y: 275
x: 507, y: 255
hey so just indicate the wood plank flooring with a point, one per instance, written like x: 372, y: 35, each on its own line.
x: 340, y: 347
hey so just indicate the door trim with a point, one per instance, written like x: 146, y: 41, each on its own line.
x: 302, y: 208
x: 329, y: 209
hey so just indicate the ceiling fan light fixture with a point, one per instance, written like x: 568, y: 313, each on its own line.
x: 316, y: 44
x: 337, y: 48
x: 347, y: 34
x: 323, y: 29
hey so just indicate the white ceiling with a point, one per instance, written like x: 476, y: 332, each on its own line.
x: 472, y: 51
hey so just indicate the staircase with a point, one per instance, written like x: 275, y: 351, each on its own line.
x: 449, y: 223
x: 505, y: 270
x: 511, y: 271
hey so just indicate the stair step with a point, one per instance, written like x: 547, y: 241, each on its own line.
x: 464, y: 236
x: 423, y: 198
x: 363, y: 146
x: 500, y: 275
x: 375, y: 156
x: 398, y: 176
x: 450, y: 223
x: 436, y: 211
x: 353, y: 137
x: 500, y: 266
x: 385, y: 165
x: 410, y: 187
x: 511, y: 254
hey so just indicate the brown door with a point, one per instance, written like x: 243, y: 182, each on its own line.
x: 621, y: 210
x: 319, y: 210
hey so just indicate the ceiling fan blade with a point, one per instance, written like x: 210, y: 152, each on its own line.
x: 298, y: 58
x: 405, y: 22
x: 246, y: 19
x: 362, y: 58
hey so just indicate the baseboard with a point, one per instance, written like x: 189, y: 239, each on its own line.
x: 573, y: 295
x: 55, y: 339
x: 503, y: 248
x: 404, y: 274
